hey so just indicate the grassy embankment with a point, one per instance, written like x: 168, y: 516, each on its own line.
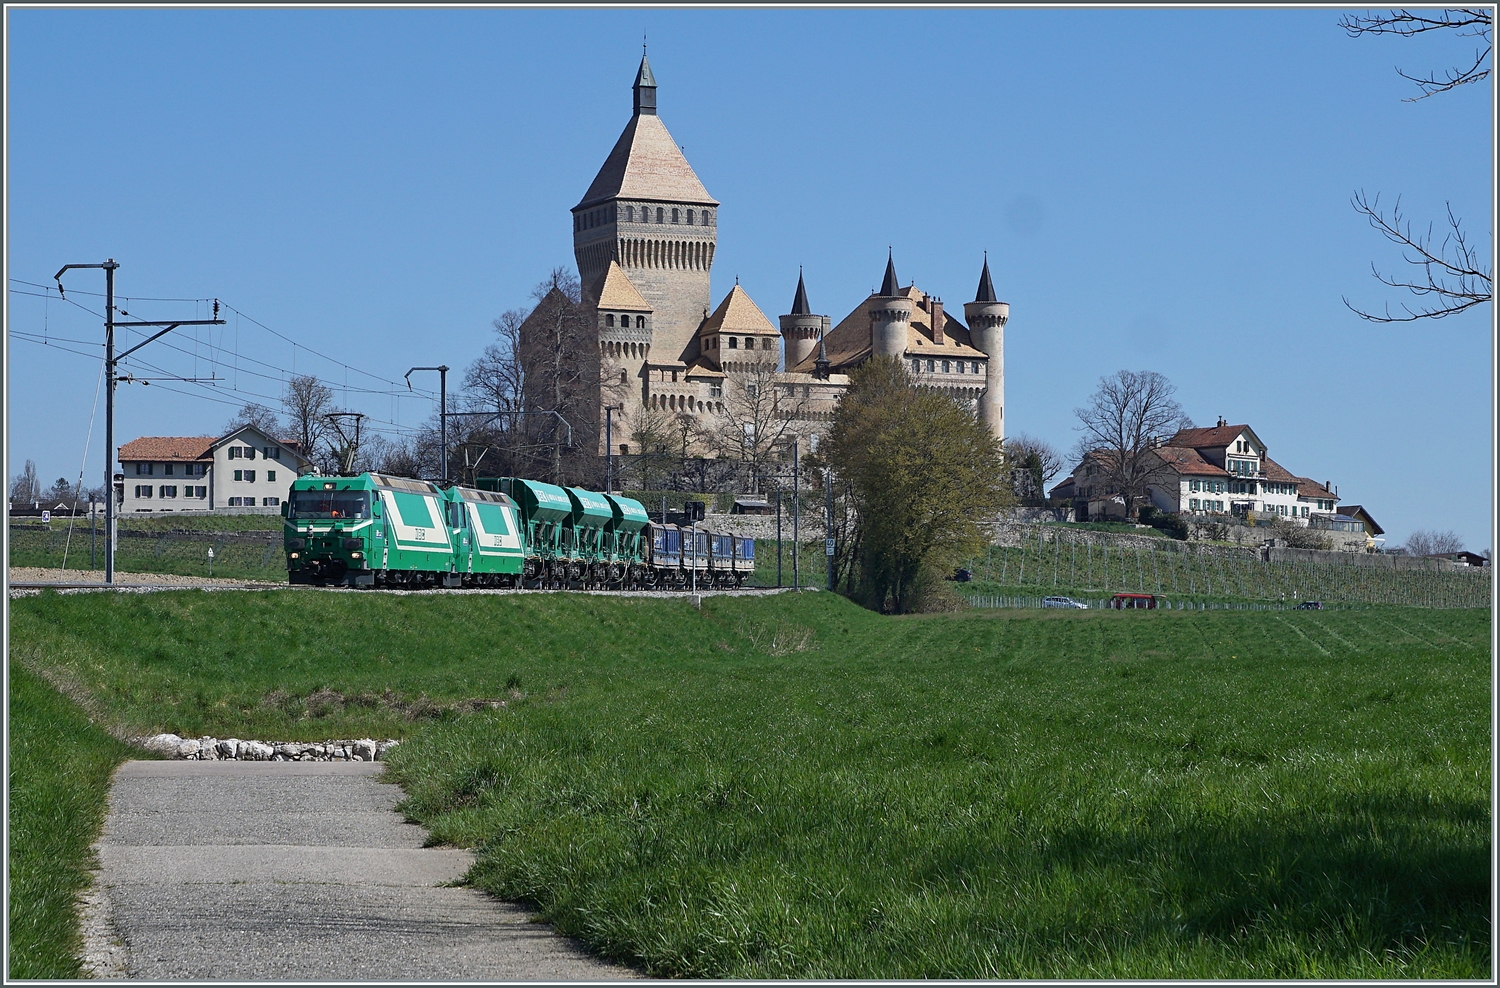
x: 785, y: 786
x: 60, y: 764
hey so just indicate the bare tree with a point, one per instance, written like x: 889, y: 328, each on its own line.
x: 24, y: 487
x: 1130, y: 413
x: 1033, y: 463
x: 1468, y: 22
x: 307, y: 402
x: 759, y: 418
x: 559, y: 351
x: 1428, y: 543
x: 257, y: 415
x: 1454, y: 276
x: 1453, y: 273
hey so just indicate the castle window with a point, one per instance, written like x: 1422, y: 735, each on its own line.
x: 916, y: 366
x: 734, y: 343
x: 659, y: 214
x: 622, y: 377
x: 931, y: 366
x: 640, y: 322
x: 690, y: 217
x: 629, y: 214
x: 708, y: 217
x: 945, y: 367
x: 976, y: 367
x: 767, y: 343
x: 609, y: 321
x: 674, y: 216
x: 716, y: 389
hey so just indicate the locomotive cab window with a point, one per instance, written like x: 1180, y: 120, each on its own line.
x: 318, y: 505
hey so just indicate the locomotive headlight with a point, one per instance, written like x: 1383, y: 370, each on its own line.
x: 356, y: 555
x: 293, y: 555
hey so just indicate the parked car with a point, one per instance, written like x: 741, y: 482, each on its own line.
x: 961, y: 576
x: 1310, y: 605
x: 1064, y: 602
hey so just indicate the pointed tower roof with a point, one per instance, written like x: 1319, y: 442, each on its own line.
x: 738, y: 313
x: 799, y: 303
x: 616, y: 292
x: 646, y: 162
x: 986, y: 290
x: 890, y: 287
x: 645, y: 88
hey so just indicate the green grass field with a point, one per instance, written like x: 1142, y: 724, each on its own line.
x: 794, y: 787
x: 60, y: 765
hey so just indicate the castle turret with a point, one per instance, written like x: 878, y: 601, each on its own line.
x: 987, y: 318
x: 890, y: 316
x: 800, y: 329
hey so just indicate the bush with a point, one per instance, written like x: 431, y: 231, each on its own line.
x: 1166, y: 522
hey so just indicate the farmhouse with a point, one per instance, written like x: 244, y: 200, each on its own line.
x: 244, y: 469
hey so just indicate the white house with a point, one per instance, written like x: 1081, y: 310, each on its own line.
x: 1219, y: 470
x: 244, y: 469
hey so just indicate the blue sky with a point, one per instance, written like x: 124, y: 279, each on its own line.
x: 1157, y: 189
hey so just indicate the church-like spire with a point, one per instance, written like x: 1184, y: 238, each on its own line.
x: 986, y: 290
x: 799, y: 303
x: 645, y: 88
x: 890, y: 287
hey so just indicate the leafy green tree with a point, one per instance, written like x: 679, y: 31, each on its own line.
x: 924, y: 477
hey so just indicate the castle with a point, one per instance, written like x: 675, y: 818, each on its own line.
x: 644, y: 236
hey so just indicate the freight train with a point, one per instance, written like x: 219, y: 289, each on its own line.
x: 374, y: 530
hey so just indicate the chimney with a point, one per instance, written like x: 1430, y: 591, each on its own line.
x: 936, y: 310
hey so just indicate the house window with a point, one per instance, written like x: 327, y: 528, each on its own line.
x: 250, y: 476
x: 200, y: 492
x: 234, y: 452
x: 1193, y: 504
x: 270, y: 502
x: 142, y: 469
x: 142, y: 490
x: 168, y: 490
x: 271, y: 476
x: 167, y: 469
x: 239, y: 475
x: 235, y: 502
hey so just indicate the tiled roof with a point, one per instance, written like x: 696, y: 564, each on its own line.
x: 1311, y: 488
x: 1220, y: 435
x: 646, y: 163
x: 1275, y: 472
x: 738, y: 313
x: 848, y: 343
x: 616, y: 291
x: 167, y: 448
x: 1187, y: 461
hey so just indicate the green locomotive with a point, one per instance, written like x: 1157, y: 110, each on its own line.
x: 374, y: 530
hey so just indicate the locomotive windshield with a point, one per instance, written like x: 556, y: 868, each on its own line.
x: 330, y: 504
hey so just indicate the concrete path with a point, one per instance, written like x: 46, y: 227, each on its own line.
x: 296, y: 871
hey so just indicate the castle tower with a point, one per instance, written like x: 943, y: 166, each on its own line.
x: 987, y: 318
x: 647, y: 210
x: 800, y: 329
x: 890, y: 317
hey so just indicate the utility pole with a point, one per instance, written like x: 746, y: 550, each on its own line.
x: 442, y: 370
x: 796, y: 507
x: 111, y: 363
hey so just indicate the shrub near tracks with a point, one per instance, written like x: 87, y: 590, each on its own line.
x: 60, y: 765
x: 791, y: 786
